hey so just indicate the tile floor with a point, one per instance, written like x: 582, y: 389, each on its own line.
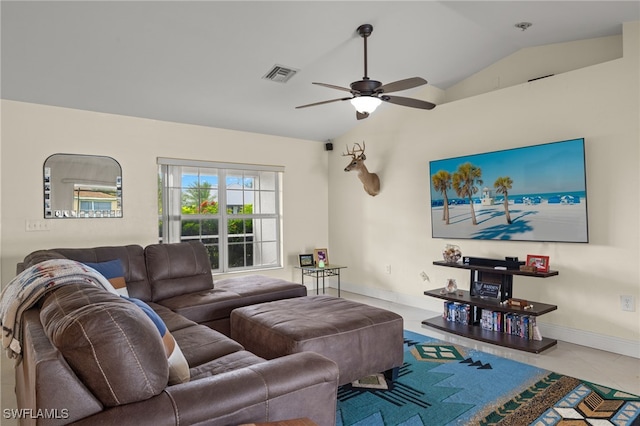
x: 605, y: 368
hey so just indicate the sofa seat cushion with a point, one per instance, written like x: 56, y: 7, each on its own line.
x: 231, y: 293
x: 200, y: 344
x: 112, y: 346
x: 172, y: 320
x: 203, y: 306
x: 231, y: 362
x: 260, y: 285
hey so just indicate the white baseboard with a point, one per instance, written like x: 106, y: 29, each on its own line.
x: 422, y: 302
x: 553, y: 331
x: 592, y: 340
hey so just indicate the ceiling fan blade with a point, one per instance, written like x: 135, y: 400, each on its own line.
x: 331, y: 86
x: 409, y: 102
x: 361, y: 115
x: 323, y: 102
x: 396, y: 86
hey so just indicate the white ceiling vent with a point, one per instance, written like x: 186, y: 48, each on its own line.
x: 280, y: 74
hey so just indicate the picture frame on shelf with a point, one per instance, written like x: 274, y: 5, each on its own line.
x: 306, y: 260
x: 321, y: 254
x: 541, y: 263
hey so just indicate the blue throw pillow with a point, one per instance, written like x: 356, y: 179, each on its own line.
x: 113, y: 271
x: 178, y: 366
x: 153, y: 316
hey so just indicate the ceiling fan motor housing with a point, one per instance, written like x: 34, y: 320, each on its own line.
x: 365, y: 87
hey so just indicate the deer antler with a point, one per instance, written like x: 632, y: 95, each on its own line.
x: 349, y: 153
x: 354, y: 150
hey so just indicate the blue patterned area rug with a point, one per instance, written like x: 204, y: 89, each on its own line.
x: 445, y: 384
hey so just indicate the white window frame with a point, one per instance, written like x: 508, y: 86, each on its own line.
x: 170, y: 171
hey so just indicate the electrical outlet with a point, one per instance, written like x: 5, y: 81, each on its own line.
x: 387, y: 269
x: 627, y: 303
x: 424, y: 276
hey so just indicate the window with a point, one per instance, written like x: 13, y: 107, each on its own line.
x: 234, y: 209
x: 95, y: 205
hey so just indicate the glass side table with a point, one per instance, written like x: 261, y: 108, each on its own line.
x: 329, y: 270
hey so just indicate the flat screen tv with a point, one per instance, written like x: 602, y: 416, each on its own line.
x: 533, y: 193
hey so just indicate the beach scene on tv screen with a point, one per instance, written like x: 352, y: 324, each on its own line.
x: 533, y: 193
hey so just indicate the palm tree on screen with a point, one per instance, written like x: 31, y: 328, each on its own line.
x: 503, y: 184
x: 465, y: 180
x: 442, y: 183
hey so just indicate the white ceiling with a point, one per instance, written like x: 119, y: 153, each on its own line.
x: 202, y: 62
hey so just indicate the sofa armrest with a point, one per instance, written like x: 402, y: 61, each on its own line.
x: 298, y: 385
x: 41, y: 374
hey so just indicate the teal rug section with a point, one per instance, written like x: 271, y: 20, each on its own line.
x: 444, y: 384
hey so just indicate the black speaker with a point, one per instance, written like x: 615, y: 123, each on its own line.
x: 481, y: 261
x: 509, y: 262
x: 328, y: 146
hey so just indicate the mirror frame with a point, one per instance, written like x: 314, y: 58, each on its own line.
x: 77, y: 173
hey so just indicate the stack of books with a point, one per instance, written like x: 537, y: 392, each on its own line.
x: 506, y: 322
x: 457, y: 312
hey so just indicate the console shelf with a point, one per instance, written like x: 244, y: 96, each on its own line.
x: 493, y: 337
x: 474, y: 330
x: 510, y: 272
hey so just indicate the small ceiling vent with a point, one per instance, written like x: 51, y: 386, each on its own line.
x: 280, y: 74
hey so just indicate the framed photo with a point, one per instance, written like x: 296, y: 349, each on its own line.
x: 321, y: 254
x: 540, y: 262
x: 306, y: 260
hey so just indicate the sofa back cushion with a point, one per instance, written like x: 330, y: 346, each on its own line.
x: 131, y: 258
x: 36, y: 257
x: 111, y: 345
x: 177, y: 269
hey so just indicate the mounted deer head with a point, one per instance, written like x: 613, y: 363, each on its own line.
x: 370, y: 181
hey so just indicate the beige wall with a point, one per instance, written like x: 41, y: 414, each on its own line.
x: 30, y: 133
x: 535, y: 62
x: 599, y: 103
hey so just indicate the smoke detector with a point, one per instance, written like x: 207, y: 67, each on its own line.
x: 523, y: 25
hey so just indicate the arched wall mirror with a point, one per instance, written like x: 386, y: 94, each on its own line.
x: 82, y: 186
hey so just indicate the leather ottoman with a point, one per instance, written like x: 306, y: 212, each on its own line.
x: 361, y: 339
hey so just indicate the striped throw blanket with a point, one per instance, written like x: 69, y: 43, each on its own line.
x: 30, y: 285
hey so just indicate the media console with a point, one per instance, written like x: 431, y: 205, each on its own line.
x: 473, y: 329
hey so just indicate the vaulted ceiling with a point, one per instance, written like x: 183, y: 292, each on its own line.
x: 203, y: 62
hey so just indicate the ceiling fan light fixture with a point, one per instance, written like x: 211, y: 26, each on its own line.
x: 365, y: 104
x: 367, y: 94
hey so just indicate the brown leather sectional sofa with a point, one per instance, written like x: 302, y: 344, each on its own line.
x: 90, y: 358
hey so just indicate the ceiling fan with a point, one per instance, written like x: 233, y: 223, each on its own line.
x: 367, y: 94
